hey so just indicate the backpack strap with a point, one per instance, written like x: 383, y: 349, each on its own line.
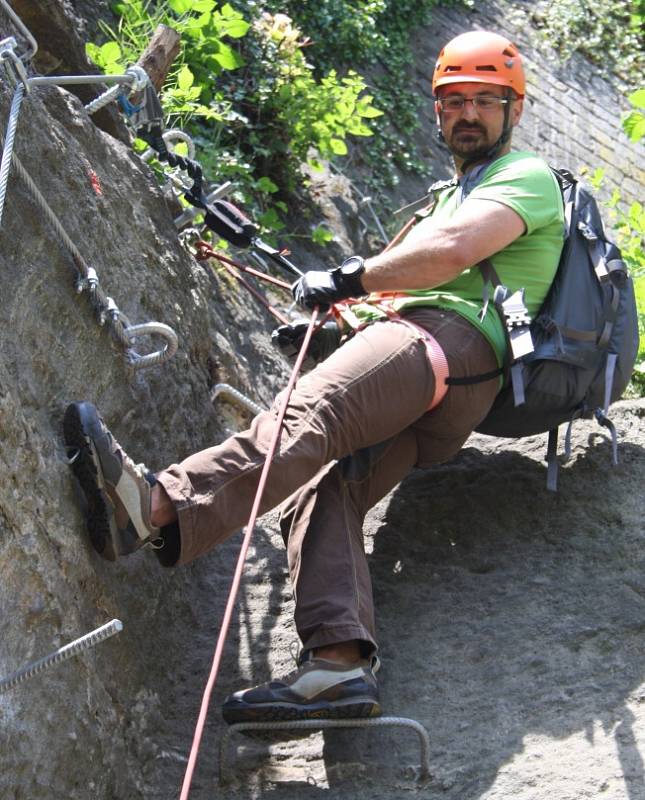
x: 610, y: 371
x: 471, y: 379
x: 604, y: 420
x: 552, y: 461
x: 490, y: 276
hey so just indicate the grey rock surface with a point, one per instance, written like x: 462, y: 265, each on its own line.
x: 511, y: 620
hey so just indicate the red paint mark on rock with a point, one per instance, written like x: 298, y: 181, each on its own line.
x: 96, y: 183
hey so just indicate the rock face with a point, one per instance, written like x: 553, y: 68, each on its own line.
x: 511, y: 620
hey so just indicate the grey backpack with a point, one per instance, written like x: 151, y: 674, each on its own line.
x: 583, y: 343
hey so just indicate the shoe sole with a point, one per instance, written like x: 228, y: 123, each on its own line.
x: 285, y: 712
x: 101, y: 526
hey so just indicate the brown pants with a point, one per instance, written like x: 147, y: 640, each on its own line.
x: 354, y: 427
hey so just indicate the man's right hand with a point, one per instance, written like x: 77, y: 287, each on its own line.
x: 288, y: 339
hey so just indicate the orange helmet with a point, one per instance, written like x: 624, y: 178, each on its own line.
x: 480, y: 57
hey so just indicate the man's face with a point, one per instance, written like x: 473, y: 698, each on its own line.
x: 474, y: 129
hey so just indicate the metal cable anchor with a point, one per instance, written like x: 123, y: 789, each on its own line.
x: 159, y: 356
x: 24, y: 30
x: 87, y: 282
x: 12, y: 62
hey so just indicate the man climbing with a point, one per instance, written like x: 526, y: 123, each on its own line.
x: 373, y: 408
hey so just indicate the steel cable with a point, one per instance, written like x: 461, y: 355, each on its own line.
x: 7, y: 151
x: 105, y: 306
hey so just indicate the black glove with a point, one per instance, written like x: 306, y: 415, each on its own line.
x: 288, y: 339
x: 325, y: 288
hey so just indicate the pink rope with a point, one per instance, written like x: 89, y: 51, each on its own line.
x: 228, y: 613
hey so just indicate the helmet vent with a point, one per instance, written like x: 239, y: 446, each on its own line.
x: 452, y: 69
x: 508, y: 52
x: 487, y: 68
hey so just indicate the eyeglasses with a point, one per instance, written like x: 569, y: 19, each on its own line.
x: 482, y: 102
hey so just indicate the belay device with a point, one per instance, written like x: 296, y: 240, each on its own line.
x: 584, y: 338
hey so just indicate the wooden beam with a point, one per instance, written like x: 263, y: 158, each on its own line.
x: 158, y: 56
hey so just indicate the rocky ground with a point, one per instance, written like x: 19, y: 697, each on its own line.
x: 512, y: 625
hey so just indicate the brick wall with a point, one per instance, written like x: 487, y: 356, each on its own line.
x: 572, y: 115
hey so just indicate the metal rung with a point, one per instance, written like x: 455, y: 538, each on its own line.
x: 324, y: 724
x: 62, y: 654
x: 231, y: 393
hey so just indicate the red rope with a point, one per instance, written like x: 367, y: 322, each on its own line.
x: 228, y: 613
x: 205, y: 251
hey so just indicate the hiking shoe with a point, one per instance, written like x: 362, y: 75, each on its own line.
x: 318, y: 689
x: 116, y: 489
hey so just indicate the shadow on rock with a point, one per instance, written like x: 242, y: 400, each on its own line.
x: 508, y: 615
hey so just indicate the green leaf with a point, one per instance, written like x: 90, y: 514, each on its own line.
x: 92, y: 51
x: 180, y: 6
x: 110, y: 52
x: 229, y: 12
x: 316, y: 165
x: 321, y: 235
x: 356, y: 128
x: 365, y: 108
x: 338, y: 147
x: 202, y: 6
x: 635, y: 214
x: 369, y: 112
x: 185, y: 78
x: 228, y: 58
x: 597, y: 178
x: 181, y: 148
x: 271, y: 220
x: 637, y: 98
x: 266, y: 185
x: 235, y: 28
x: 634, y: 125
x: 197, y: 23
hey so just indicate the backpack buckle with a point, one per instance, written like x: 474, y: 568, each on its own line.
x: 515, y: 314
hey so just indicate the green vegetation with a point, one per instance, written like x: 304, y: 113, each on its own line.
x: 631, y: 232
x: 264, y: 86
x: 609, y: 34
x: 243, y: 88
x: 370, y: 35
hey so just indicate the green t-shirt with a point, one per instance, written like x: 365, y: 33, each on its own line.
x: 525, y: 183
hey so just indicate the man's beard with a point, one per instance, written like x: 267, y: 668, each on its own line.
x: 472, y: 147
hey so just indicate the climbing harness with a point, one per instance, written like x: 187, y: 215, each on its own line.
x: 230, y: 605
x: 13, y: 66
x: 434, y: 351
x: 325, y: 724
x: 62, y: 654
